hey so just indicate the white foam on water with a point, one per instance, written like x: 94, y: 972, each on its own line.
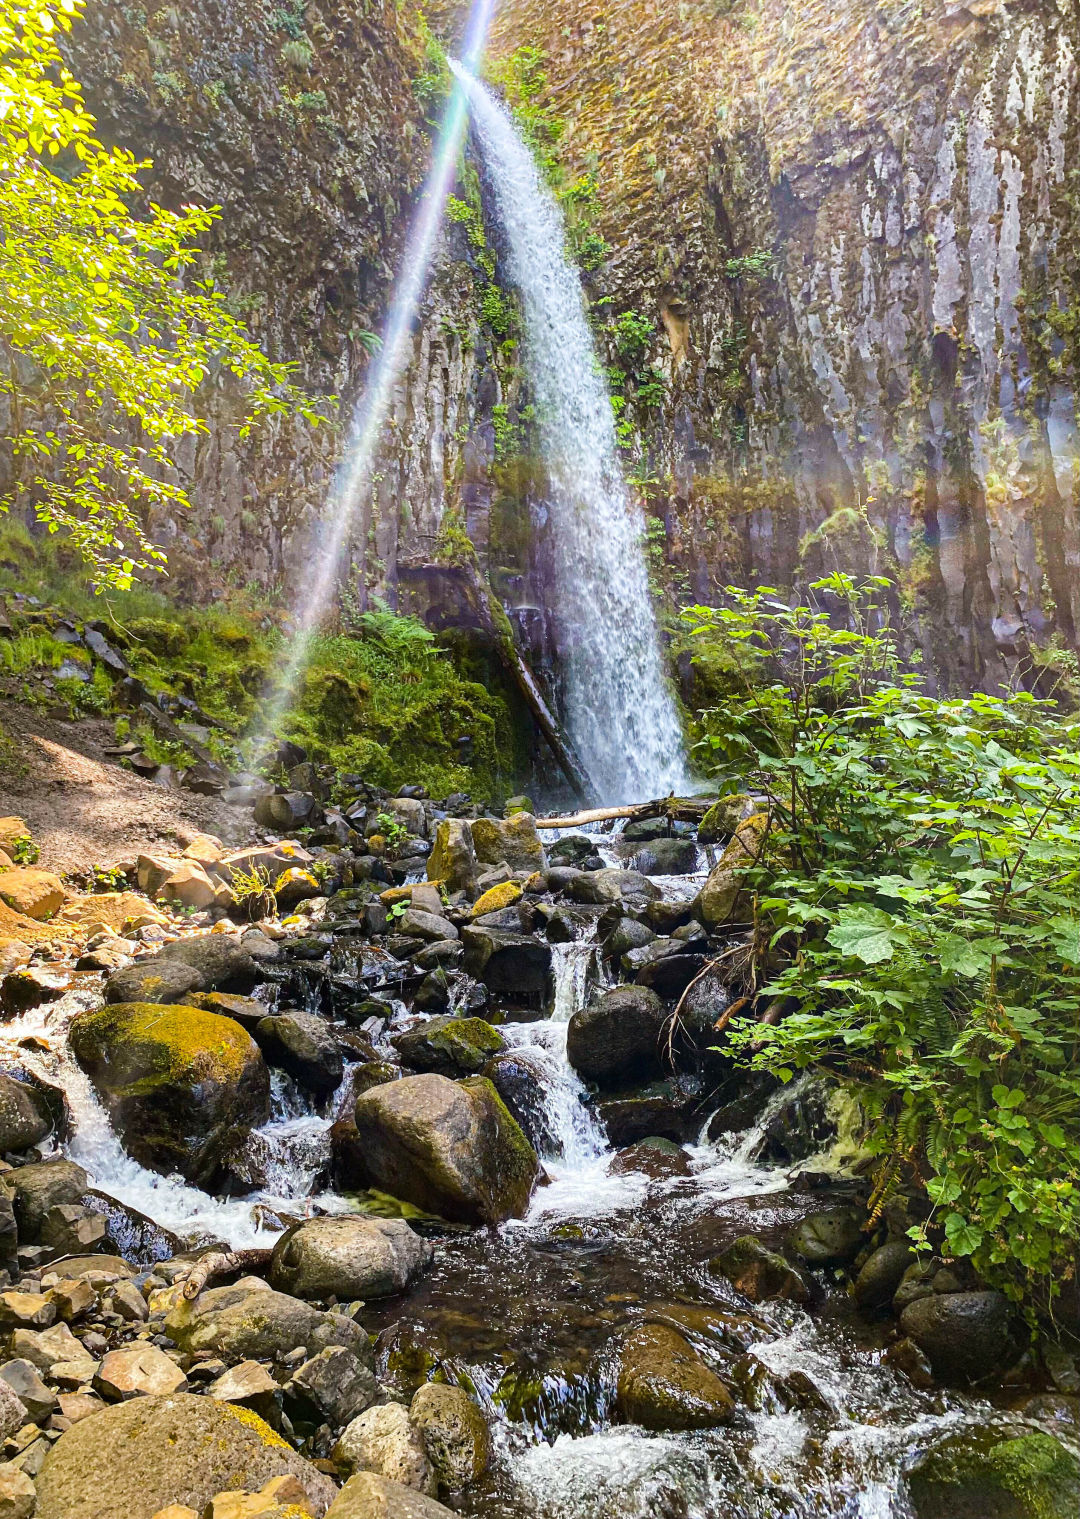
x: 618, y: 1474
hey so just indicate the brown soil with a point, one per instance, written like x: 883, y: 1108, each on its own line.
x: 83, y: 809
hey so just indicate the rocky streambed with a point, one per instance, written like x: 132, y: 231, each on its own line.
x: 413, y: 1196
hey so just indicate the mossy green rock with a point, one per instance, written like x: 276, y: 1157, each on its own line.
x: 452, y: 859
x: 724, y: 817
x: 511, y: 841
x: 989, y: 1474
x: 449, y: 1147
x: 133, y: 1459
x: 182, y: 1085
x: 664, y: 1384
x: 450, y: 1046
x: 758, y: 1272
x: 723, y: 897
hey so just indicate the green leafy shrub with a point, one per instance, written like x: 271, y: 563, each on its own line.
x: 917, y: 913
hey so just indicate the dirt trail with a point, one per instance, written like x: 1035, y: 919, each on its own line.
x: 83, y: 809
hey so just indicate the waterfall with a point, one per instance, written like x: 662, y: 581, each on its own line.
x: 619, y: 712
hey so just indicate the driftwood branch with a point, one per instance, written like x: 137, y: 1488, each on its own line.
x: 223, y: 1263
x: 684, y: 809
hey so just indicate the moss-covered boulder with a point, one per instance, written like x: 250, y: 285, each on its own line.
x: 455, y: 1434
x: 724, y: 818
x: 496, y: 898
x: 134, y: 1459
x: 993, y: 1473
x: 664, y: 1384
x: 448, y: 1147
x: 453, y: 859
x: 758, y: 1272
x: 183, y: 1086
x: 450, y: 1046
x: 722, y: 898
x: 511, y: 841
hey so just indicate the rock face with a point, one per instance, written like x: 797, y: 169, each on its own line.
x: 182, y: 1085
x: 347, y: 1258
x: 617, y: 1037
x: 450, y: 1147
x: 135, y: 1458
x: 664, y: 1384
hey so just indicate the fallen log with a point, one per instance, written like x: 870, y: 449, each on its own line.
x: 684, y: 809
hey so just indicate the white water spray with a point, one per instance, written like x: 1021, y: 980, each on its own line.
x: 619, y: 712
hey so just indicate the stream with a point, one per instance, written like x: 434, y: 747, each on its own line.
x: 524, y: 1315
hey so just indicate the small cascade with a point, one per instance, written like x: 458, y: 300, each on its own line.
x: 619, y: 712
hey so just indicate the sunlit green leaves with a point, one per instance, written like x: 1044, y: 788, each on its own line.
x: 865, y: 932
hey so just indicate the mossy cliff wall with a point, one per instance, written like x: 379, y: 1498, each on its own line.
x: 856, y: 231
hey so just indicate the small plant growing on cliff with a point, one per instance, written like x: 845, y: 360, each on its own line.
x: 112, y: 334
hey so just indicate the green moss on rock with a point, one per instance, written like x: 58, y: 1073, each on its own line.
x: 986, y: 1474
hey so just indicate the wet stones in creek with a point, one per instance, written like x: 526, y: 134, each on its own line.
x: 449, y: 1046
x: 304, y: 1046
x: 514, y: 967
x: 965, y: 1335
x: 201, y: 963
x: 758, y: 1272
x: 182, y: 1086
x: 663, y: 1383
x: 24, y: 1115
x: 347, y: 1258
x: 991, y: 1473
x: 618, y: 1037
x: 449, y: 1147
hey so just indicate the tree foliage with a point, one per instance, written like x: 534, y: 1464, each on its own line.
x: 918, y: 907
x: 106, y: 329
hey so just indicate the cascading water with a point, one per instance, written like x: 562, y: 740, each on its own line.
x: 619, y: 711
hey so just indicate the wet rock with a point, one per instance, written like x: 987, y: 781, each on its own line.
x: 223, y: 962
x: 758, y: 1272
x: 513, y: 842
x: 369, y: 1496
x: 990, y: 1473
x: 655, y: 1157
x: 496, y: 898
x: 519, y: 1081
x: 627, y: 934
x: 288, y: 810
x: 154, y: 980
x: 668, y: 1109
x: 383, y: 1440
x: 722, y: 897
x: 37, y: 894
x: 303, y: 1045
x: 13, y: 954
x: 449, y: 1147
x: 571, y: 849
x: 24, y: 1115
x: 449, y: 1046
x: 663, y: 967
x: 966, y: 1335
x: 42, y: 1186
x: 1059, y: 1412
x: 454, y: 1434
x: 664, y: 1384
x: 829, y: 1238
x: 348, y: 1257
x: 133, y: 1459
x: 443, y: 954
x: 665, y: 857
x: 294, y: 886
x: 617, y: 1037
x: 25, y: 1382
x: 724, y: 817
x: 706, y: 1001
x: 611, y: 885
x: 249, y: 1321
x: 425, y: 925
x: 905, y: 1356
x: 335, y: 1384
x: 453, y: 859
x: 138, y: 1372
x: 881, y: 1274
x: 182, y: 1086
x: 515, y: 968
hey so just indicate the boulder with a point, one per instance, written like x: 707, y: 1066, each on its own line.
x: 664, y: 967
x: 303, y: 1045
x: 183, y: 1086
x: 24, y: 1115
x: 369, y: 1496
x: 611, y: 885
x: 222, y: 961
x: 758, y: 1272
x: 627, y: 934
x: 348, y: 1257
x: 453, y: 859
x: 724, y: 818
x: 665, y: 857
x: 23, y: 1379
x: 137, y: 1372
x: 37, y: 1188
x: 519, y: 1078
x: 37, y: 894
x: 383, y: 1440
x: 881, y: 1274
x: 966, y: 1335
x: 617, y: 1037
x: 335, y: 1384
x: 722, y: 897
x: 449, y: 1046
x: 454, y: 1433
x: 425, y: 925
x: 135, y: 1458
x: 571, y: 849
x: 449, y: 1147
x: 497, y: 898
x: 25, y: 1310
x: 511, y: 841
x: 706, y: 1001
x: 993, y: 1473
x: 287, y: 810
x: 249, y: 1321
x: 669, y: 1109
x: 514, y: 967
x: 664, y: 1384
x: 188, y: 886
x: 18, y: 1495
x: 829, y: 1238
x: 293, y: 886
x: 153, y: 980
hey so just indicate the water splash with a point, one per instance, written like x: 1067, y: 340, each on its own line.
x: 620, y: 713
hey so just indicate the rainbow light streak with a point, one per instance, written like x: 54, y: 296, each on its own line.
x: 392, y: 358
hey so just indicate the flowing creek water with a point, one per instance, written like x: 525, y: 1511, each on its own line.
x: 525, y: 1315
